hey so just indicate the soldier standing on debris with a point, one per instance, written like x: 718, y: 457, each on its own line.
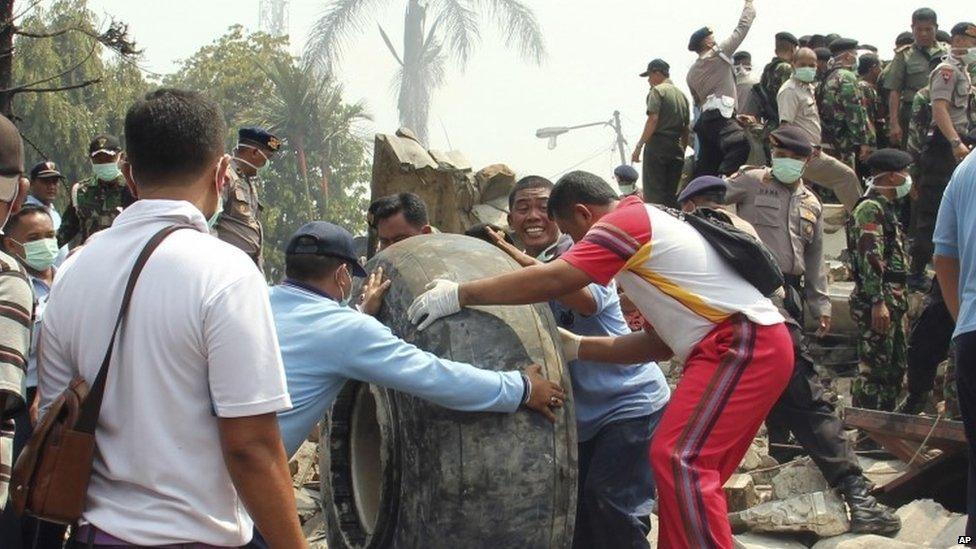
x: 879, y: 301
x: 909, y: 72
x: 723, y: 144
x: 847, y: 131
x: 239, y: 219
x: 96, y: 201
x: 797, y: 106
x: 665, y: 135
x: 788, y: 219
x: 950, y: 90
x: 774, y: 75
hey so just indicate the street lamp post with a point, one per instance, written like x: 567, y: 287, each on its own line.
x: 553, y: 132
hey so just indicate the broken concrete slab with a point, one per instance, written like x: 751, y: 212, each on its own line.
x: 800, y: 476
x: 765, y: 541
x: 753, y: 459
x: 863, y: 541
x: 950, y: 534
x: 881, y: 472
x: 922, y: 520
x: 820, y: 513
x: 740, y: 492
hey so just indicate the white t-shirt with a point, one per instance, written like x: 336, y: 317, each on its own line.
x: 198, y: 342
x: 679, y: 282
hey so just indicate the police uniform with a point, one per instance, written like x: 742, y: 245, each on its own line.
x: 842, y: 111
x: 949, y: 82
x: 798, y: 108
x: 723, y: 144
x: 908, y: 73
x: 239, y: 223
x: 664, y: 154
x: 878, y: 265
x: 95, y: 203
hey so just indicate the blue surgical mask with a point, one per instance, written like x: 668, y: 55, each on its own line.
x: 788, y: 170
x: 106, y: 172
x: 806, y: 74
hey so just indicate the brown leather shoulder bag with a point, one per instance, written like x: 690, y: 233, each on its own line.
x: 50, y: 478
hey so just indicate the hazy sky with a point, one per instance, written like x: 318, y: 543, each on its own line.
x: 596, y: 50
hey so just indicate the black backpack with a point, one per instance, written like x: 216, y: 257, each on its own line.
x: 743, y: 252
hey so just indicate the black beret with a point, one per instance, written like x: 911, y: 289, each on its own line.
x: 104, y: 142
x: 823, y: 54
x: 942, y: 36
x: 831, y: 37
x: 697, y: 37
x: 867, y: 62
x: 818, y: 41
x: 904, y: 39
x: 888, y: 160
x: 787, y: 37
x: 258, y: 137
x: 701, y: 185
x: 925, y: 14
x: 741, y: 56
x: 792, y: 139
x: 964, y: 29
x: 805, y: 40
x: 870, y: 48
x: 657, y: 65
x: 841, y: 45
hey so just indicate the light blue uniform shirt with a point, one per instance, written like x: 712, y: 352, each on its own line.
x: 324, y: 344
x: 955, y: 236
x: 41, y: 291
x: 604, y: 393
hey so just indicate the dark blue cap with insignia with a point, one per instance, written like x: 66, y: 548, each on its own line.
x: 964, y: 29
x: 889, y: 160
x: 701, y: 185
x: 626, y: 173
x: 657, y: 65
x: 792, y: 139
x: 45, y: 169
x: 697, y: 37
x: 325, y: 239
x: 841, y: 45
x: 259, y: 138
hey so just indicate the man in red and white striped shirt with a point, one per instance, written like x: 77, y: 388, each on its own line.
x: 737, y: 353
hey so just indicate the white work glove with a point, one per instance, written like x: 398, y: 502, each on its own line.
x: 570, y: 344
x: 440, y: 300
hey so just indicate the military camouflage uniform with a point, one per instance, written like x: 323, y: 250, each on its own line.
x: 908, y: 73
x: 919, y: 123
x: 877, y: 112
x: 776, y: 73
x: 879, y: 264
x: 94, y: 206
x: 239, y: 223
x: 843, y: 115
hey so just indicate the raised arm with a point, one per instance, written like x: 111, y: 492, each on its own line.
x: 732, y: 43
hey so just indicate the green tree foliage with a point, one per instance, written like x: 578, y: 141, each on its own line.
x: 60, y: 124
x: 323, y: 172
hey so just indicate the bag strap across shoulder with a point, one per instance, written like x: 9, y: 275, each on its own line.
x: 90, y: 409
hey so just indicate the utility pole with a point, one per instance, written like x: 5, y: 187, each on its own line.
x: 621, y: 142
x: 273, y: 17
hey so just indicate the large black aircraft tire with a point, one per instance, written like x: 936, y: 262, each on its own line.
x: 398, y: 471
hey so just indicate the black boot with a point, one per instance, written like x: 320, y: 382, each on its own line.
x: 913, y: 404
x: 867, y: 515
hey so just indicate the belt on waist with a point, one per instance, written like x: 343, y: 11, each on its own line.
x: 90, y: 534
x: 796, y: 281
x: 895, y: 277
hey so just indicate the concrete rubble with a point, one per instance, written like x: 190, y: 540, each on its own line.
x: 820, y: 513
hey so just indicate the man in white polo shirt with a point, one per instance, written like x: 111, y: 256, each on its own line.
x: 188, y: 441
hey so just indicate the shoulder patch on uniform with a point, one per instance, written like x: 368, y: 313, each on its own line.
x: 902, y: 49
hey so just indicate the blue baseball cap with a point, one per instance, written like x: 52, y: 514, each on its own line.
x: 259, y: 137
x: 328, y: 240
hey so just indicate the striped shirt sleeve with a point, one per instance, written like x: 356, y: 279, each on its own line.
x: 612, y: 241
x: 16, y: 309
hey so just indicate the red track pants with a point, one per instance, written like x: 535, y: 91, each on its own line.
x: 730, y: 382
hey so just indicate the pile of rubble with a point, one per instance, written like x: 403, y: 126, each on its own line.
x: 305, y: 481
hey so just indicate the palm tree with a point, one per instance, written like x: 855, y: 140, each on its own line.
x: 453, y: 33
x: 307, y: 109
